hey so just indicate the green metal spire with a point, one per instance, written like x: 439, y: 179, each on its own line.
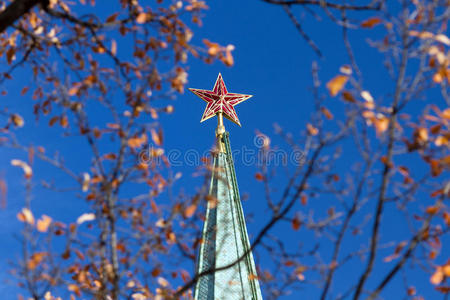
x: 225, y: 240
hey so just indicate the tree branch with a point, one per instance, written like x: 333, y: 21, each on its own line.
x: 16, y: 10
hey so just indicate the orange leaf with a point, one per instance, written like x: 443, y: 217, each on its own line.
x: 371, y: 22
x: 36, y: 259
x: 381, y: 125
x: 438, y: 276
x: 141, y: 18
x: 74, y: 89
x: 157, y: 136
x: 43, y: 223
x: 432, y: 210
x: 259, y: 176
x: 336, y: 84
x: 63, y: 121
x: 190, y: 210
x: 446, y: 114
x: 137, y: 142
x: 74, y: 288
x: 311, y: 129
x: 304, y: 199
x: 110, y: 156
x: 17, y: 120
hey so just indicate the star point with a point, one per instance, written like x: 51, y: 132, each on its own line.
x: 219, y: 100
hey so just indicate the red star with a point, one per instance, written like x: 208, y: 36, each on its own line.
x: 219, y: 100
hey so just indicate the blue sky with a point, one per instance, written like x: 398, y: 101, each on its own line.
x: 273, y: 63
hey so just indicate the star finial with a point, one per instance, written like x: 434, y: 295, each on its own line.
x: 220, y: 101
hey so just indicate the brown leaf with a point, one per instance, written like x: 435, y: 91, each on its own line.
x: 53, y: 120
x: 296, y: 223
x: 156, y: 272
x: 24, y: 90
x: 347, y: 96
x: 110, y: 156
x: 371, y: 22
x: 336, y: 84
x: 326, y: 113
x: 112, y: 17
x: 259, y: 176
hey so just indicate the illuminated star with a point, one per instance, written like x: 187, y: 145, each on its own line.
x: 220, y: 101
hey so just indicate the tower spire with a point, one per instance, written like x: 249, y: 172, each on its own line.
x: 225, y: 257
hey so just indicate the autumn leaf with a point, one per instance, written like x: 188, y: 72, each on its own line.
x: 110, y: 156
x: 367, y: 96
x: 141, y: 18
x: 381, y: 124
x: 371, y: 22
x: 157, y: 136
x: 156, y: 272
x: 311, y: 129
x: 136, y: 142
x: 346, y: 69
x: 113, y: 47
x: 303, y: 199
x: 25, y: 167
x: 86, y: 181
x: 396, y: 253
x: 85, y: 218
x: 74, y: 288
x: 17, y: 120
x: 347, y: 96
x: 432, y: 210
x: 163, y: 282
x: 336, y: 84
x: 259, y: 176
x: 43, y: 223
x: 326, y: 113
x: 36, y: 259
x: 26, y: 216
x: 74, y: 89
x: 437, y: 276
x: 213, y: 48
x: 446, y: 114
x: 190, y: 210
x: 296, y: 223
